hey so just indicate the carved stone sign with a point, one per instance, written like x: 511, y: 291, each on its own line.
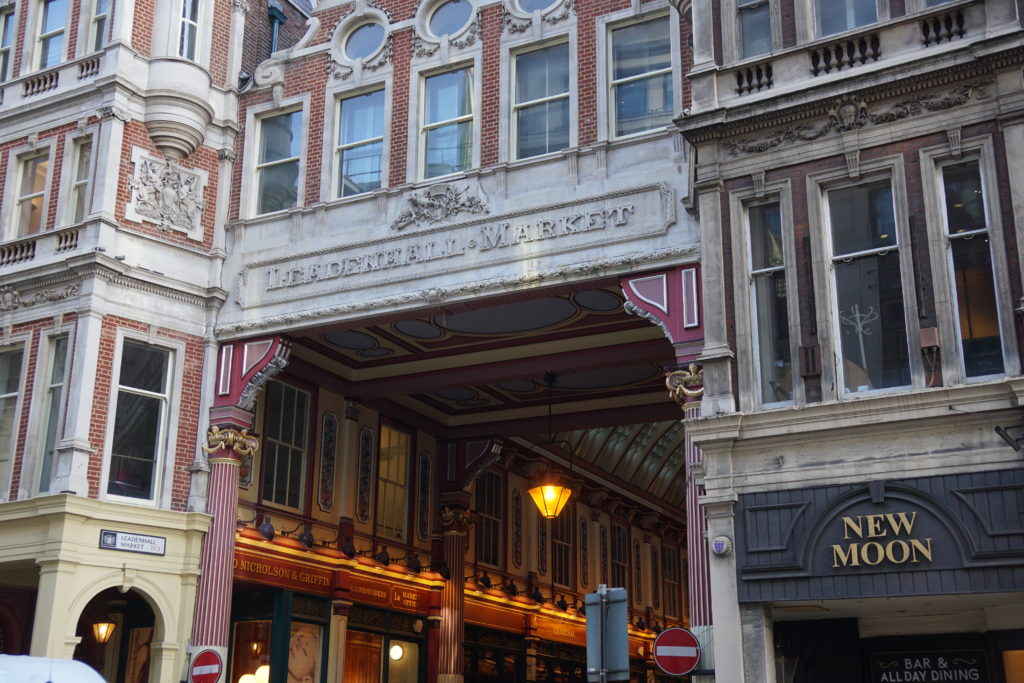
x: 166, y: 194
x: 617, y: 217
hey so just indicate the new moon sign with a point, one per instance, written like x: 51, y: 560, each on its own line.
x: 676, y: 651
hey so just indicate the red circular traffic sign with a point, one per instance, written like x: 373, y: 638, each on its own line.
x: 676, y: 651
x: 206, y: 667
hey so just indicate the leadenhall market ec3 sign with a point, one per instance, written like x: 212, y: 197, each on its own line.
x: 953, y: 534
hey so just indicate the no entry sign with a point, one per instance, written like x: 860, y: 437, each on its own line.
x: 676, y: 651
x: 206, y: 667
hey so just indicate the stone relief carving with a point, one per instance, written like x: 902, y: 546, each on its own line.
x: 438, y: 203
x: 421, y: 48
x: 514, y: 24
x: 11, y: 299
x: 471, y: 35
x: 568, y: 8
x: 166, y: 194
x: 850, y: 113
x: 343, y: 71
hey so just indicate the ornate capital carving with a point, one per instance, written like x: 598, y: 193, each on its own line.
x: 685, y: 384
x: 230, y: 439
x: 112, y: 112
x: 241, y: 6
x: 456, y: 519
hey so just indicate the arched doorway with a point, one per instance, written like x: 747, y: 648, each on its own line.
x: 116, y: 631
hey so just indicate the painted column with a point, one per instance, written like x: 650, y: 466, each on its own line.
x: 456, y: 523
x: 243, y: 368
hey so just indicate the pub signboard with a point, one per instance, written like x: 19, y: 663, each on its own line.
x: 925, y: 667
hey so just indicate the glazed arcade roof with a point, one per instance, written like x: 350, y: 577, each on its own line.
x: 478, y: 370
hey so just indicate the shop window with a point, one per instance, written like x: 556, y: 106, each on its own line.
x: 447, y: 132
x: 10, y: 384
x: 98, y: 26
x: 188, y: 34
x: 53, y: 400
x: 30, y: 203
x: 251, y: 649
x: 140, y: 420
x: 6, y: 41
x: 620, y: 555
x: 489, y: 507
x: 670, y: 574
x: 970, y: 267
x: 285, y: 435
x: 277, y: 168
x: 561, y: 548
x: 541, y: 116
x: 754, y: 27
x: 768, y: 302
x: 836, y: 16
x: 80, y: 181
x: 376, y: 658
x: 641, y: 83
x: 870, y: 320
x: 360, y: 142
x: 53, y: 18
x: 392, y: 483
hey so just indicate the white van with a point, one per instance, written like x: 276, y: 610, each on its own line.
x: 25, y: 669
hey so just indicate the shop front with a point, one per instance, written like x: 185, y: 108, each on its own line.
x: 890, y: 581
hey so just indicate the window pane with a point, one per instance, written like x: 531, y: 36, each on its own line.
x: 143, y: 367
x: 84, y: 159
x: 53, y: 405
x: 542, y: 128
x: 364, y: 41
x: 449, y: 149
x: 965, y: 206
x: 391, y: 483
x: 872, y: 326
x: 835, y: 16
x: 449, y: 96
x: 10, y: 380
x: 976, y: 305
x: 284, y: 451
x: 280, y: 137
x: 862, y: 218
x: 190, y: 10
x: 33, y: 179
x: 360, y: 169
x: 55, y: 13
x: 640, y: 48
x: 362, y: 118
x: 755, y: 31
x: 643, y: 104
x: 136, y: 440
x: 542, y: 73
x: 278, y: 187
x: 450, y: 17
x: 772, y: 320
x: 765, y: 236
x: 10, y: 371
x: 530, y: 6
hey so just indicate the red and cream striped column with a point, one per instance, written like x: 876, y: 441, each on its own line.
x: 456, y: 524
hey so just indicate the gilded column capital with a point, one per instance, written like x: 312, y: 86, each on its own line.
x: 686, y: 386
x: 456, y: 520
x: 229, y: 444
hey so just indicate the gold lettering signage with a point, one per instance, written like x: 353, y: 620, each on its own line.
x: 282, y: 573
x: 563, y: 632
x: 390, y: 595
x: 872, y: 540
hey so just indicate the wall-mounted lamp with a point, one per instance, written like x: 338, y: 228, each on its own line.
x: 562, y: 604
x: 396, y: 652
x: 347, y: 547
x: 383, y: 556
x: 485, y: 581
x: 102, y: 630
x: 306, y: 537
x: 412, y: 563
x: 511, y: 589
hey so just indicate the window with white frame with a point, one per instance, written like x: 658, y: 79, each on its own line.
x: 360, y: 148
x: 285, y: 438
x: 277, y: 167
x: 768, y: 302
x: 753, y: 27
x: 447, y: 131
x: 52, y: 402
x: 870, y: 320
x: 392, y: 483
x: 6, y: 41
x: 620, y: 555
x: 836, y: 16
x: 670, y: 574
x: 30, y: 202
x: 53, y: 17
x: 541, y: 108
x: 98, y: 26
x: 641, y: 82
x: 79, y: 203
x: 489, y: 504
x: 188, y: 36
x: 561, y: 547
x: 140, y: 420
x: 969, y: 255
x: 10, y: 385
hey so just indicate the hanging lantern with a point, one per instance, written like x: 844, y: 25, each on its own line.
x: 102, y: 630
x: 550, y: 496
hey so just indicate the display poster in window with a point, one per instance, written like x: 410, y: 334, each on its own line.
x: 943, y: 665
x: 136, y: 668
x: 304, y: 649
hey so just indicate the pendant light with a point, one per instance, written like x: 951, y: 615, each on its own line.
x: 551, y: 493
